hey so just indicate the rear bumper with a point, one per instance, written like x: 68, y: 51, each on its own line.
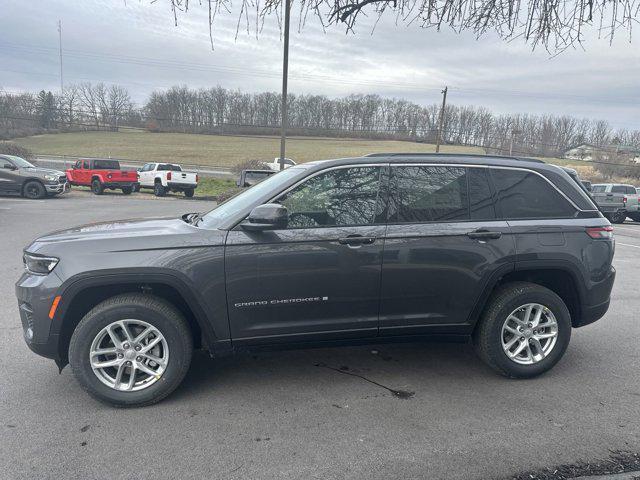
x: 182, y: 186
x: 120, y: 185
x: 592, y: 313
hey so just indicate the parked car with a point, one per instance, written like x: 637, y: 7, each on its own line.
x: 20, y: 177
x: 617, y: 201
x: 509, y: 253
x: 167, y: 177
x: 275, y: 165
x: 101, y: 175
x: 249, y: 178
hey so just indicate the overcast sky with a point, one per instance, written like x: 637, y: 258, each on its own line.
x: 135, y: 44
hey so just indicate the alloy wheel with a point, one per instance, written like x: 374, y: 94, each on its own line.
x: 529, y: 334
x: 129, y: 355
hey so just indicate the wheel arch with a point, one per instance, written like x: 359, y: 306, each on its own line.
x: 81, y: 294
x: 30, y: 179
x: 560, y: 277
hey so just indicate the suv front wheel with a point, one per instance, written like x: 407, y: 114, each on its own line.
x: 524, y: 330
x: 131, y: 350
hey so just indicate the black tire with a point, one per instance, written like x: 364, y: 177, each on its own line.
x: 635, y: 217
x: 189, y: 192
x: 136, y: 188
x: 487, y: 337
x: 34, y: 190
x: 96, y: 187
x: 152, y: 310
x: 159, y: 190
x: 127, y: 190
x: 619, y: 217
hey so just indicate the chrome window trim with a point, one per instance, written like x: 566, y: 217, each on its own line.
x: 415, y: 164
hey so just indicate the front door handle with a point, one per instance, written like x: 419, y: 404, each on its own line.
x: 353, y: 240
x: 483, y: 234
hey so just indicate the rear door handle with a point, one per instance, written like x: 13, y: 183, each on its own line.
x: 356, y: 240
x: 483, y: 234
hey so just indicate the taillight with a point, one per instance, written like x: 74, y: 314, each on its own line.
x: 624, y: 199
x: 109, y: 175
x: 197, y: 178
x: 600, y: 232
x: 168, y: 175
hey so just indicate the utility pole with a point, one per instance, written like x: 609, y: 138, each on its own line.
x: 60, y: 47
x: 514, y: 132
x: 285, y: 75
x: 444, y: 104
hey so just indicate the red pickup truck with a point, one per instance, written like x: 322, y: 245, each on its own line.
x: 102, y: 174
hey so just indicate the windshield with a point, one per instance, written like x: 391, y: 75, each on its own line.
x: 248, y: 197
x: 19, y: 162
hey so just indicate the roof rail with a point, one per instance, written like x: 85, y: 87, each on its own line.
x: 444, y: 155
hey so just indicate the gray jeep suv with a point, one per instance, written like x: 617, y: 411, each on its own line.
x: 509, y: 253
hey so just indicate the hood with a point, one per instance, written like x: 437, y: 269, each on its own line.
x: 41, y: 172
x: 126, y: 235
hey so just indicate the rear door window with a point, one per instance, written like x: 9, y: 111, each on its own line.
x: 480, y: 195
x: 428, y: 194
x: 525, y: 195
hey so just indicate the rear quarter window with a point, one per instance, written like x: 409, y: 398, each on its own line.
x: 525, y: 195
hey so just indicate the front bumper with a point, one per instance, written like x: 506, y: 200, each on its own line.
x: 35, y: 294
x: 57, y: 188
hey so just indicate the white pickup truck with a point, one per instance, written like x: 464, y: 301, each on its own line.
x: 275, y: 165
x: 167, y: 177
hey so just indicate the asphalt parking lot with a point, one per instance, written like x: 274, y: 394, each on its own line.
x: 280, y: 415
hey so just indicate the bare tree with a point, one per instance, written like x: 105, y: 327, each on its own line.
x: 554, y: 24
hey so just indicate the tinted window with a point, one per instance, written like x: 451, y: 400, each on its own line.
x: 631, y: 190
x: 106, y: 165
x: 345, y: 196
x: 598, y: 188
x: 78, y: 164
x: 428, y: 194
x: 480, y: 195
x: 165, y: 167
x: 523, y: 195
x: 618, y: 189
x: 87, y: 164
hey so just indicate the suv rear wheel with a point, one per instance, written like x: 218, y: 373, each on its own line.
x: 524, y: 330
x: 131, y: 350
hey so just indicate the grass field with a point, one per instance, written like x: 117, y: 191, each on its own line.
x: 189, y: 149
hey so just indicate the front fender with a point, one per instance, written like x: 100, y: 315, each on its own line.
x: 213, y: 323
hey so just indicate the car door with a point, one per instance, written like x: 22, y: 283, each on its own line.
x: 318, y: 278
x: 10, y: 178
x: 146, y: 175
x: 443, y: 245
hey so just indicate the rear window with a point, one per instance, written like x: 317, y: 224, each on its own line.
x: 598, y: 188
x: 106, y: 165
x: 618, y: 189
x: 167, y: 167
x: 526, y: 195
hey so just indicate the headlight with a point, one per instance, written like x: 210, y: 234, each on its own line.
x: 51, y: 178
x: 39, y: 265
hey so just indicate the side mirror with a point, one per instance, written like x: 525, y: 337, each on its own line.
x: 270, y: 216
x: 9, y: 166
